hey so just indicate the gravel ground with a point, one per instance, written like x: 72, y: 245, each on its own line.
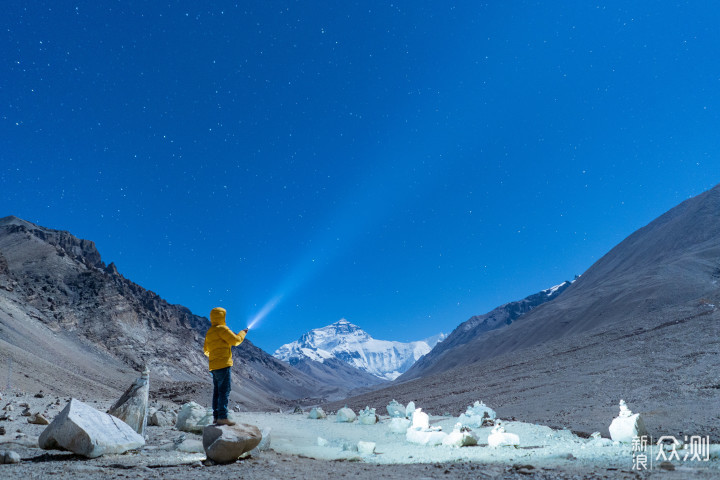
x: 293, y: 453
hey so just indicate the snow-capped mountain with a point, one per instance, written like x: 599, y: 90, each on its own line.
x: 347, y: 342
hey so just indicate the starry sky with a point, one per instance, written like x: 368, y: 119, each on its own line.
x: 401, y: 164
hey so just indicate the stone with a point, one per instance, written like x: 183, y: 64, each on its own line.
x: 38, y: 419
x: 193, y: 418
x: 367, y: 416
x: 366, y: 448
x: 500, y: 438
x: 399, y: 425
x: 461, y: 436
x: 9, y: 457
x: 317, y: 413
x: 26, y: 412
x: 161, y: 418
x: 345, y: 415
x: 396, y: 409
x: 89, y: 432
x: 626, y: 425
x: 132, y: 407
x: 190, y: 445
x: 478, y: 415
x: 225, y: 443
x: 2, y: 430
x: 409, y: 410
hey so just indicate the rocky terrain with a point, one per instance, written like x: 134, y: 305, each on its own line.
x: 477, y: 326
x: 69, y: 323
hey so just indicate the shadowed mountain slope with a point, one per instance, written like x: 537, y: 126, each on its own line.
x: 70, y: 323
x: 642, y: 324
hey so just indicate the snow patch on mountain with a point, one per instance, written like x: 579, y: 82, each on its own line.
x: 354, y: 346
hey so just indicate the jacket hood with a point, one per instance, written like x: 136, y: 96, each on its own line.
x: 217, y: 316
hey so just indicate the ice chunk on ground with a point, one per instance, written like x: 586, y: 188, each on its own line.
x: 399, y: 425
x: 500, y: 438
x: 478, y: 415
x: 396, y: 409
x: 345, y: 415
x: 366, y: 448
x: 317, y: 413
x: 460, y: 437
x: 367, y: 416
x: 626, y: 425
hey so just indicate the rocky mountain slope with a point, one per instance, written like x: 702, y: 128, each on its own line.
x: 350, y: 344
x: 70, y: 323
x: 641, y: 324
x: 475, y: 327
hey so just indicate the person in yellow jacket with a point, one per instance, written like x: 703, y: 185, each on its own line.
x: 218, y: 340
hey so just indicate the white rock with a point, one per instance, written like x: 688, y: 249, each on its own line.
x: 367, y: 416
x: 161, y: 418
x: 366, y: 448
x: 9, y: 457
x: 500, y: 438
x: 409, y: 410
x: 193, y: 418
x: 395, y: 409
x: 88, y: 432
x: 190, y: 445
x: 399, y: 425
x: 460, y: 437
x: 317, y: 413
x: 477, y: 415
x: 626, y: 425
x: 225, y: 443
x: 345, y: 415
x: 132, y: 407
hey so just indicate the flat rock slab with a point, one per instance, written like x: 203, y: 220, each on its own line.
x: 225, y: 443
x: 81, y: 429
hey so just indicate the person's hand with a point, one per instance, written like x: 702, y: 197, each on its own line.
x: 246, y: 330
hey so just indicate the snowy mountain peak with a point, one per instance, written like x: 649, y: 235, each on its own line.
x: 353, y: 345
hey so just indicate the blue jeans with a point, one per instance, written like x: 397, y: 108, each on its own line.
x: 221, y: 392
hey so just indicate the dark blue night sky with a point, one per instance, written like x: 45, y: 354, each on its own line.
x: 402, y: 164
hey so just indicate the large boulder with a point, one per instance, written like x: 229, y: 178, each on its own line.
x: 132, y: 407
x: 89, y: 432
x: 193, y: 418
x: 225, y: 443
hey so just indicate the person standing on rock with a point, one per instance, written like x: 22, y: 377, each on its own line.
x: 218, y: 341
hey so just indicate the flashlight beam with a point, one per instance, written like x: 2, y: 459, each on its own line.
x: 267, y: 308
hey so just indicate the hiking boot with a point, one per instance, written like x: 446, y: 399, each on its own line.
x: 225, y: 421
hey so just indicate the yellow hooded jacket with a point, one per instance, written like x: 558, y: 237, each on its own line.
x: 218, y: 340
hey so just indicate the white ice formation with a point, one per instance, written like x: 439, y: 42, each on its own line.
x: 396, y: 409
x: 421, y: 433
x: 317, y: 413
x: 345, y: 415
x: 461, y: 436
x: 478, y: 415
x: 626, y: 425
x: 367, y: 416
x: 500, y: 438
